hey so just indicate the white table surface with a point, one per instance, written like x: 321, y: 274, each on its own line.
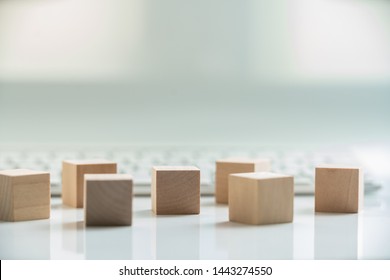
x: 206, y: 236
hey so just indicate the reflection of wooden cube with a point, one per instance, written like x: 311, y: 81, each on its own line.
x: 229, y: 166
x: 24, y: 195
x: 108, y: 199
x: 338, y: 189
x: 73, y: 178
x: 261, y: 198
x: 175, y: 190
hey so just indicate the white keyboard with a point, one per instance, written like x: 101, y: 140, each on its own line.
x: 138, y: 161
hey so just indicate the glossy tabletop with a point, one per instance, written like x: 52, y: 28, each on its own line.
x: 206, y: 236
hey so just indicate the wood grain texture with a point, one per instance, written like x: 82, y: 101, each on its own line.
x: 235, y: 165
x: 24, y: 195
x: 73, y: 172
x: 261, y: 198
x: 175, y: 190
x: 108, y: 199
x: 338, y: 189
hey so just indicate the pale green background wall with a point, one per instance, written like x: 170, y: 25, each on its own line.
x: 195, y: 71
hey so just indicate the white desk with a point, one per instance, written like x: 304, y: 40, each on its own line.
x: 206, y: 236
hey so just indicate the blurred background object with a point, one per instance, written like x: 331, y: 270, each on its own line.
x: 194, y: 71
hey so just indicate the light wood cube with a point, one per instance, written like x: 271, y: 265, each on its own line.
x: 73, y: 172
x: 261, y: 198
x: 229, y: 166
x: 108, y: 199
x: 175, y: 190
x: 338, y: 189
x: 24, y: 195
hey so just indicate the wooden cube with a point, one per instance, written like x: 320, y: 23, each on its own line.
x: 338, y: 189
x: 108, y: 199
x: 175, y: 190
x: 261, y: 198
x: 24, y: 195
x: 73, y: 172
x: 229, y: 166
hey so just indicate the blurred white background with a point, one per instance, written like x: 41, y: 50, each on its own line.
x: 195, y: 71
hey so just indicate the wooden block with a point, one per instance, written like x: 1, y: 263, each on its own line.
x: 338, y: 189
x: 175, y: 190
x: 261, y: 198
x: 73, y: 172
x: 24, y: 195
x: 108, y: 199
x: 229, y: 166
